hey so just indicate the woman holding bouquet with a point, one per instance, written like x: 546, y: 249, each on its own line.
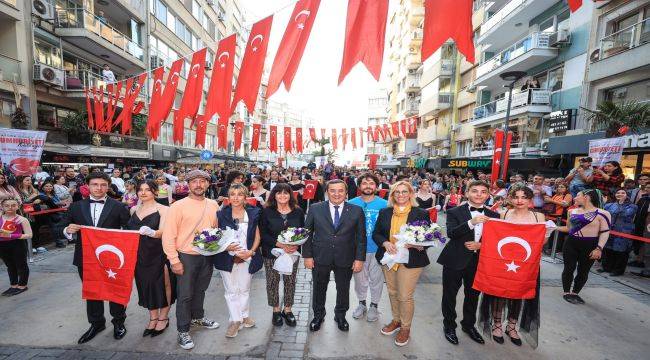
x: 280, y: 213
x: 401, y: 279
x: 237, y: 267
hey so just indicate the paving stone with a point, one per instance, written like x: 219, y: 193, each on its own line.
x: 291, y: 353
x: 293, y: 346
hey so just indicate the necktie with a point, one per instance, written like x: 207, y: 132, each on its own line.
x: 481, y: 209
x: 337, y: 216
x: 96, y: 201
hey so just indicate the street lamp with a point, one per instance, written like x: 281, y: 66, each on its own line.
x: 511, y: 77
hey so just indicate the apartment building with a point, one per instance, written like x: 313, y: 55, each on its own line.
x: 618, y: 70
x: 284, y: 114
x: 53, y: 49
x: 377, y: 116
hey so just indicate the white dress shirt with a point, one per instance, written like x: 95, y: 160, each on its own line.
x: 119, y: 183
x: 478, y: 228
x: 95, y: 212
x: 333, y: 210
x: 272, y: 184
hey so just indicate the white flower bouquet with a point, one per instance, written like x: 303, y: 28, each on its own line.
x: 418, y: 233
x: 207, y: 241
x: 295, y: 236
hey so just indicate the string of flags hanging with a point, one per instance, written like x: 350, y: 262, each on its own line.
x: 364, y: 43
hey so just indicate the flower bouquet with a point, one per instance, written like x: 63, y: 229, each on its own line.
x: 295, y: 236
x: 417, y: 233
x: 207, y: 242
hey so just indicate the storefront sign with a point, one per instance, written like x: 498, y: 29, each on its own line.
x: 466, y: 163
x: 604, y: 150
x: 20, y: 150
x: 417, y: 163
x: 560, y: 120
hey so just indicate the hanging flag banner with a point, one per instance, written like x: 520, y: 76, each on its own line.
x: 255, y: 141
x: 372, y: 161
x: 496, y: 155
x: 402, y: 124
x: 89, y: 112
x: 192, y: 95
x: 506, y: 160
x: 395, y: 128
x: 131, y: 94
x: 604, y: 150
x: 322, y: 133
x: 299, y: 140
x: 218, y: 100
x: 292, y: 45
x: 273, y: 139
x: 98, y: 104
x: 360, y: 137
x: 444, y: 19
x: 574, y: 5
x: 287, y: 139
x: 312, y: 134
x: 412, y: 126
x: 239, y: 132
x: 334, y: 139
x: 386, y: 130
x: 353, y: 138
x: 21, y: 150
x: 369, y: 134
x: 163, y: 100
x: 114, y: 91
x: 344, y: 137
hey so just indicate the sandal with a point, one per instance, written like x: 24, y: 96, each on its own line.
x: 148, y: 331
x: 498, y: 339
x: 155, y: 332
x: 514, y: 340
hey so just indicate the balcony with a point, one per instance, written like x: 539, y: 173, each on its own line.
x: 621, y: 51
x: 529, y: 101
x: 412, y: 107
x: 412, y: 83
x: 416, y: 14
x: 10, y: 69
x: 413, y: 61
x: 510, y: 22
x: 443, y: 67
x: 525, y: 54
x: 431, y: 105
x: 9, y: 10
x: 430, y: 135
x: 416, y: 39
x: 87, y: 31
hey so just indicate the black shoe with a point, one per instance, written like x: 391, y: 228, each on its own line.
x: 640, y: 273
x: 498, y: 339
x: 119, y: 331
x: 148, y: 331
x: 570, y: 298
x: 289, y: 318
x: 90, y: 334
x: 474, y: 335
x: 60, y: 244
x: 601, y: 270
x: 155, y: 332
x: 617, y: 273
x: 18, y: 291
x: 578, y: 299
x: 342, y: 323
x: 9, y: 292
x: 513, y: 340
x: 276, y: 320
x: 450, y: 335
x: 316, y: 324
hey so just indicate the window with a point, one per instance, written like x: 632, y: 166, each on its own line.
x: 161, y: 11
x: 47, y: 53
x: 50, y: 115
x: 639, y: 91
x: 465, y: 112
x: 555, y: 79
x: 171, y: 21
x: 166, y: 133
x: 8, y: 107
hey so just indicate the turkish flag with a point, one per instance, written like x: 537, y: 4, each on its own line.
x: 395, y: 127
x: 444, y: 19
x: 218, y: 100
x: 255, y: 141
x: 381, y: 130
x: 299, y: 140
x: 402, y: 125
x: 360, y: 137
x: 310, y: 189
x: 344, y: 137
x: 287, y: 139
x: 412, y: 126
x: 239, y: 132
x: 574, y: 5
x: 365, y: 32
x: 98, y: 104
x: 353, y: 138
x: 163, y: 100
x: 369, y: 133
x: 250, y: 75
x: 372, y: 161
x: 114, y: 92
x: 273, y: 139
x: 506, y: 149
x: 312, y: 134
x: 131, y: 94
x: 292, y: 45
x: 376, y: 132
x: 334, y: 139
x: 508, y: 263
x: 191, y: 96
x: 496, y: 156
x: 386, y: 130
x: 109, y: 258
x: 89, y: 111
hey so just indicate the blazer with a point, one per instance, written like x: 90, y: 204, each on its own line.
x: 381, y: 234
x: 224, y: 261
x: 455, y: 255
x: 115, y: 215
x: 272, y: 224
x: 339, y: 246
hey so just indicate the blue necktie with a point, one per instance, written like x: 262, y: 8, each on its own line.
x: 337, y: 216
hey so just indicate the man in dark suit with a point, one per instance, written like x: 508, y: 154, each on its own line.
x: 459, y: 259
x: 103, y: 212
x: 337, y: 242
x: 304, y: 173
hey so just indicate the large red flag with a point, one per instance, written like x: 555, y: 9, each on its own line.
x: 360, y: 137
x: 508, y: 263
x: 353, y: 138
x: 322, y: 133
x: 239, y: 131
x: 369, y: 134
x: 506, y: 160
x: 412, y: 126
x: 250, y: 75
x: 98, y: 103
x: 386, y: 130
x: 218, y: 100
x: 89, y: 111
x: 380, y: 131
x: 372, y: 161
x: 310, y: 189
x: 192, y: 95
x: 292, y: 45
x: 395, y: 127
x: 575, y: 5
x: 299, y: 140
x: 163, y: 100
x: 287, y: 139
x: 344, y: 137
x: 375, y: 133
x: 402, y: 125
x: 334, y: 139
x: 114, y: 92
x: 496, y: 156
x: 273, y: 139
x: 444, y: 19
x: 312, y: 134
x: 109, y: 258
x: 222, y: 133
x: 130, y: 95
x: 365, y: 31
x: 255, y: 141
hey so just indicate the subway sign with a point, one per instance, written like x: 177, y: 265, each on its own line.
x: 466, y: 163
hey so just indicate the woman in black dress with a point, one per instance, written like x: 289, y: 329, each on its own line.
x: 280, y: 213
x: 152, y: 273
x: 424, y: 196
x: 298, y: 186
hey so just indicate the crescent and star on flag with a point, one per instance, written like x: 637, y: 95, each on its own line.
x: 514, y: 240
x: 112, y: 249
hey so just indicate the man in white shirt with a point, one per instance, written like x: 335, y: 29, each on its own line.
x: 118, y: 181
x: 107, y: 74
x: 40, y: 175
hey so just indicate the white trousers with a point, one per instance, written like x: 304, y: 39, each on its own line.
x: 237, y: 286
x: 371, y: 277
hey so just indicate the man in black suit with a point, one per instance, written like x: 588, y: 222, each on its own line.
x: 337, y: 242
x: 459, y: 259
x: 103, y: 212
x: 304, y: 173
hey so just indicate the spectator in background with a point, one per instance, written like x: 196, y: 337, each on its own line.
x: 164, y: 194
x: 540, y: 191
x: 62, y: 191
x: 617, y: 249
x: 608, y: 179
x: 118, y: 181
x: 637, y: 193
x: 107, y: 73
x: 640, y: 227
x: 40, y: 175
x: 70, y: 178
x: 7, y: 191
x: 130, y: 197
x: 13, y: 247
x: 80, y: 179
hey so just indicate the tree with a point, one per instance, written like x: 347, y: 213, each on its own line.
x: 620, y: 117
x: 331, y: 154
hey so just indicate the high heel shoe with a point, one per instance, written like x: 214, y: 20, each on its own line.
x: 498, y: 339
x: 155, y: 332
x: 515, y: 341
x: 148, y: 331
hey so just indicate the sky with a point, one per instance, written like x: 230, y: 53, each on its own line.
x: 315, y: 87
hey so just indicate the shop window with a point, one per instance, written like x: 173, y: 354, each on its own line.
x: 645, y: 167
x: 628, y: 164
x: 8, y: 107
x: 46, y: 115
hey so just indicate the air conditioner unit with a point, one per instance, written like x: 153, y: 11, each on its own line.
x: 209, y: 2
x: 561, y: 38
x: 412, y: 71
x: 455, y: 127
x: 471, y: 88
x: 48, y: 74
x: 43, y: 9
x: 544, y: 145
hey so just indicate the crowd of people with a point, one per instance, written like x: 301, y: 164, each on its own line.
x: 353, y: 219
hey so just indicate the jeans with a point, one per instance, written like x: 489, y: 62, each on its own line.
x: 574, y: 189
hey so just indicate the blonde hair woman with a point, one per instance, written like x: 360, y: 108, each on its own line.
x: 401, y: 279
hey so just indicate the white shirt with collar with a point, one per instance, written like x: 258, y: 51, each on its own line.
x: 95, y: 213
x: 119, y: 183
x: 333, y: 210
x: 478, y: 228
x: 272, y: 184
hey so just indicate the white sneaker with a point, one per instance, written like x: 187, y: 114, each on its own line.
x: 359, y: 311
x: 205, y: 322
x: 185, y: 340
x: 373, y: 314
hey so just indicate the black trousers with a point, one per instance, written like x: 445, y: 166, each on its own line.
x: 14, y: 255
x: 451, y: 281
x: 614, y: 261
x: 576, y: 256
x: 95, y: 310
x: 191, y: 287
x: 321, y: 277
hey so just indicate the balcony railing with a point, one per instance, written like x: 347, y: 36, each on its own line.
x: 78, y: 80
x: 625, y: 39
x: 9, y: 69
x: 538, y: 40
x: 520, y: 99
x: 81, y: 18
x: 501, y: 14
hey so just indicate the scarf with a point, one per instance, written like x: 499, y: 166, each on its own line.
x: 399, y: 218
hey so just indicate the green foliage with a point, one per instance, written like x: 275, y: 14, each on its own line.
x: 139, y: 125
x: 611, y: 116
x: 75, y: 123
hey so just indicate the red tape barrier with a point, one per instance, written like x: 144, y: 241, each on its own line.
x: 48, y: 211
x: 615, y: 233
